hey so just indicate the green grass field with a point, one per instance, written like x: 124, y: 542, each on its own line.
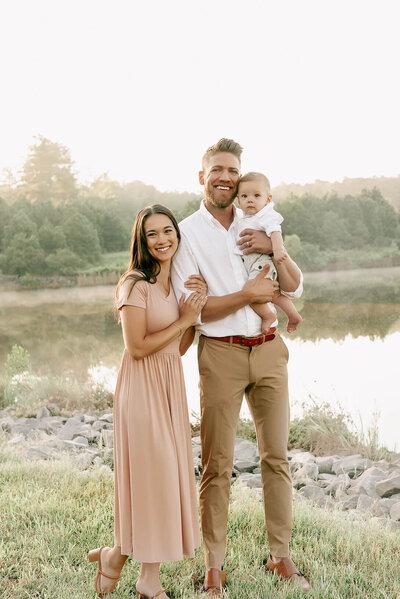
x: 52, y: 514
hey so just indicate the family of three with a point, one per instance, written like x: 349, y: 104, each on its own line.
x: 199, y: 275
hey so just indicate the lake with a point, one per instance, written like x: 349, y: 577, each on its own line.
x: 345, y: 354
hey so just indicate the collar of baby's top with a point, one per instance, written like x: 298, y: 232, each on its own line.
x: 261, y: 212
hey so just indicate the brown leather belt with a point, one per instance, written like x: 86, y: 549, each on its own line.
x: 247, y: 341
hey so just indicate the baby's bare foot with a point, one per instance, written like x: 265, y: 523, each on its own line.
x: 292, y: 323
x: 267, y: 323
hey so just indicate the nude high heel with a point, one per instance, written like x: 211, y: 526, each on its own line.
x: 95, y: 556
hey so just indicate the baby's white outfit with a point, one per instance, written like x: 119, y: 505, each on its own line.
x: 267, y: 220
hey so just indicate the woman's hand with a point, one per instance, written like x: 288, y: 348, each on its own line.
x: 196, y: 283
x: 190, y: 309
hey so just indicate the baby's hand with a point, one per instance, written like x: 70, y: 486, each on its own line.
x: 280, y: 255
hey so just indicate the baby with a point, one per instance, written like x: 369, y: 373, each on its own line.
x: 254, y: 196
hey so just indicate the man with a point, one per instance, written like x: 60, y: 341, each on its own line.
x: 235, y: 359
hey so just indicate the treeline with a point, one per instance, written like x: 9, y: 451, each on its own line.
x: 333, y: 232
x: 388, y: 186
x: 49, y: 224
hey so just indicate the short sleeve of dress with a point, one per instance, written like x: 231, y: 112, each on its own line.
x: 133, y: 296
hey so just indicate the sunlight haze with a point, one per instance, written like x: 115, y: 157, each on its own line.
x: 141, y: 89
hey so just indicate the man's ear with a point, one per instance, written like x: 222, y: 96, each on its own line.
x: 201, y: 177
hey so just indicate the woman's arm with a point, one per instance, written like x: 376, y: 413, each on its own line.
x: 140, y: 345
x: 133, y: 320
x: 187, y: 340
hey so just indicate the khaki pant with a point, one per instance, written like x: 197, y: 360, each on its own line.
x: 227, y: 372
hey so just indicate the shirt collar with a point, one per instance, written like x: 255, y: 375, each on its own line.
x: 237, y: 213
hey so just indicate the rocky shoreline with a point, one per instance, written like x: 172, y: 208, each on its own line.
x: 352, y: 484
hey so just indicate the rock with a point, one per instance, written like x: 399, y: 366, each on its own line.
x: 81, y: 440
x: 97, y: 461
x: 53, y: 409
x: 309, y: 470
x: 325, y: 464
x: 301, y: 458
x: 365, y: 484
x: 350, y: 503
x: 73, y: 428
x: 253, y: 481
x: 6, y: 424
x: 382, y: 465
x: 395, y: 511
x: 325, y: 479
x: 341, y: 483
x: 351, y: 465
x: 43, y: 412
x: 107, y: 438
x: 245, y: 451
x: 382, y: 506
x: 99, y: 425
x: 365, y: 503
x: 40, y: 453
x: 257, y: 470
x: 107, y: 418
x: 87, y: 419
x: 387, y: 523
x: 196, y: 449
x: 196, y: 441
x: 312, y: 492
x: 16, y: 440
x: 389, y: 486
x: 244, y: 466
x: 197, y: 466
x: 84, y: 459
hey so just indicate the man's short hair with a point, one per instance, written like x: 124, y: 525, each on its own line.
x: 223, y: 145
x: 256, y: 177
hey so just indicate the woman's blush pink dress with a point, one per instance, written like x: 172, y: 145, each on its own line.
x: 156, y: 517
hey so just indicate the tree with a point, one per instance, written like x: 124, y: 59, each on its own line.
x: 23, y: 255
x: 63, y: 262
x: 47, y: 173
x: 82, y: 237
x: 51, y: 238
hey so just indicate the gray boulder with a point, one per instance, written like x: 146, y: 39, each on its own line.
x: 299, y: 459
x: 382, y: 506
x: 43, y: 412
x: 365, y: 484
x: 325, y: 463
x: 341, y: 483
x: 107, y: 438
x: 99, y: 425
x: 395, y: 511
x: 6, y: 424
x: 74, y: 427
x: 389, y: 486
x: 350, y: 503
x: 107, y: 418
x: 244, y: 466
x: 253, y: 481
x: 351, y: 465
x: 312, y: 492
x: 245, y: 451
x: 365, y: 503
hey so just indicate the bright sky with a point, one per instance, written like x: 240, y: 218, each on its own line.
x: 140, y: 88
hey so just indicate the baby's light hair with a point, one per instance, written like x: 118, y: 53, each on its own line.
x: 253, y: 176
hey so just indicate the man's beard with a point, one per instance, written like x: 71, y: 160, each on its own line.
x: 219, y: 203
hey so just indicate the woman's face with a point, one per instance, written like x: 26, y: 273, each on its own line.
x: 161, y: 237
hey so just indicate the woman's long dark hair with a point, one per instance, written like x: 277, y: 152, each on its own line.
x: 142, y: 265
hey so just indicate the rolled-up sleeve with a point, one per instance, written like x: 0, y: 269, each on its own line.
x: 298, y: 292
x: 183, y: 265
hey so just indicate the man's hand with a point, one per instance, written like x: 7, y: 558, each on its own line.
x: 280, y: 255
x: 260, y: 289
x: 254, y: 241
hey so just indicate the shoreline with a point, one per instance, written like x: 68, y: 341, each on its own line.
x: 37, y: 282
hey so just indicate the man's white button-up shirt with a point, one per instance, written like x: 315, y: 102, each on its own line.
x: 208, y: 249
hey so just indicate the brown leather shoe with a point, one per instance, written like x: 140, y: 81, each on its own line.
x: 285, y: 568
x: 214, y: 582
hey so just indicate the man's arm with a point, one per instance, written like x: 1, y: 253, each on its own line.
x: 257, y: 290
x: 289, y: 274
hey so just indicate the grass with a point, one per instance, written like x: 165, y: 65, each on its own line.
x: 53, y: 513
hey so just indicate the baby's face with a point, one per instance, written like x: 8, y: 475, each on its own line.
x: 253, y: 196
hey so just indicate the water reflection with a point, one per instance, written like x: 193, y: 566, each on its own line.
x: 345, y: 353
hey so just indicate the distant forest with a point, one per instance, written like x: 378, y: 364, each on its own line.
x: 50, y: 224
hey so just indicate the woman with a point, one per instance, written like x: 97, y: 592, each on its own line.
x: 155, y: 500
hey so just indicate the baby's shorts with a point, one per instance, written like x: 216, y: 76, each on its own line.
x: 255, y: 262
